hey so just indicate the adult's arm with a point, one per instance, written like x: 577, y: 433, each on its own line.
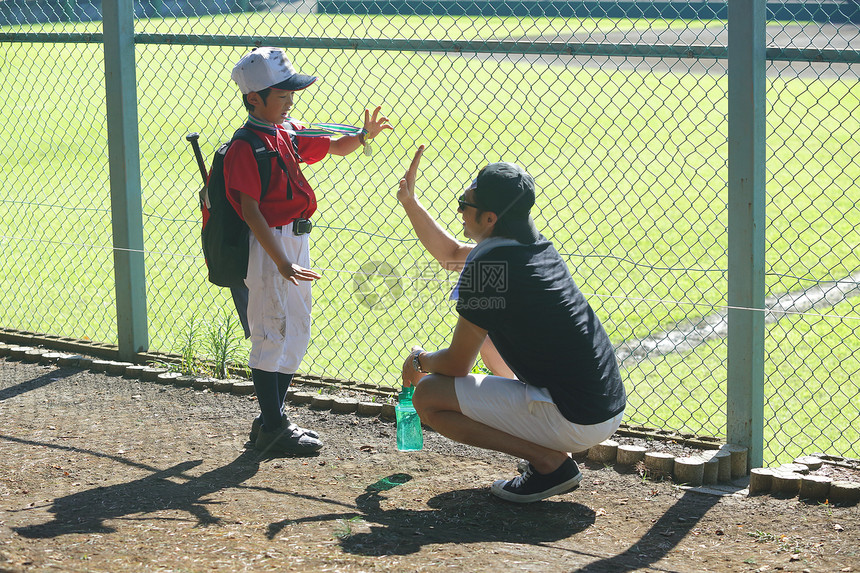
x: 456, y: 360
x: 494, y: 361
x: 450, y: 252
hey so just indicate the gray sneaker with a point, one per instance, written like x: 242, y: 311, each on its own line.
x: 287, y: 439
x: 258, y: 423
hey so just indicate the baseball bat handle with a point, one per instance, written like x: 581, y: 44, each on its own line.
x: 192, y: 139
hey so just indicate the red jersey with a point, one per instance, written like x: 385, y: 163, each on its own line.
x: 241, y: 174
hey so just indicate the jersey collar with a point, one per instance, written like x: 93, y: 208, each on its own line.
x: 259, y: 125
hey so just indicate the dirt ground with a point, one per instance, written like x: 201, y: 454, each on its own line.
x: 103, y: 473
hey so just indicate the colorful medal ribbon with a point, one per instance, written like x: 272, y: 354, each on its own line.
x: 324, y: 129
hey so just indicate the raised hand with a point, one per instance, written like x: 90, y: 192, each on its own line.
x: 375, y: 124
x: 406, y: 190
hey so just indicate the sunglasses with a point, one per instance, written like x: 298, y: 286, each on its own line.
x: 461, y: 201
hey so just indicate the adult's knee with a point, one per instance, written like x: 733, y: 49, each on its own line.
x: 435, y: 393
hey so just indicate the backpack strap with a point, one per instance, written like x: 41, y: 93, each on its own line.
x: 293, y: 137
x: 295, y: 143
x: 264, y: 155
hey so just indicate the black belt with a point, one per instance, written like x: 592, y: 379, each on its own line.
x: 300, y: 226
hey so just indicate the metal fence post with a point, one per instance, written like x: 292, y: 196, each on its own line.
x: 746, y: 224
x: 124, y: 161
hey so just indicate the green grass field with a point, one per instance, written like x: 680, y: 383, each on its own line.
x: 806, y: 409
x: 630, y: 165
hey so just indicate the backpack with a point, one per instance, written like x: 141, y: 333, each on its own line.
x: 225, y: 234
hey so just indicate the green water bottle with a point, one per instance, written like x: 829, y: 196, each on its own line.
x: 409, y: 437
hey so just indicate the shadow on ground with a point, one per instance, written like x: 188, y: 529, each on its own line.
x: 170, y: 489
x: 460, y: 517
x: 34, y: 383
x: 473, y: 516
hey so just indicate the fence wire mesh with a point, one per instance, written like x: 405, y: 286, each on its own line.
x: 621, y: 117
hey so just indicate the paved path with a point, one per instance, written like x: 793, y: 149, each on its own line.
x: 686, y: 337
x: 831, y: 37
x: 814, y: 36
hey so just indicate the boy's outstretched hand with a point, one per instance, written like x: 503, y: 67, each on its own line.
x: 375, y: 124
x: 406, y: 192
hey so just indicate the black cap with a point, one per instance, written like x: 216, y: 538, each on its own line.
x: 505, y: 189
x: 508, y: 191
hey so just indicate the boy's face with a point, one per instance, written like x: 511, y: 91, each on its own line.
x: 276, y: 107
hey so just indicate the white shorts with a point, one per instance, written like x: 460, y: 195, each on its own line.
x: 279, y: 312
x: 527, y: 412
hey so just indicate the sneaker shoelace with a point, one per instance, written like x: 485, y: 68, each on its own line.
x: 521, y: 479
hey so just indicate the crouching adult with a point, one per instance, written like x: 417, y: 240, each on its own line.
x: 556, y: 388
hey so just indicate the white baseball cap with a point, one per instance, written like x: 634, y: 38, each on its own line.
x: 268, y: 68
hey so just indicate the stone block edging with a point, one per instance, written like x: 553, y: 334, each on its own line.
x: 711, y: 466
x: 793, y: 480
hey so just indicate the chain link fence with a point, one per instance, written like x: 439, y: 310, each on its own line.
x: 619, y: 110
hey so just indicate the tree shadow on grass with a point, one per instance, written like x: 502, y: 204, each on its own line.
x: 170, y: 489
x: 462, y: 516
